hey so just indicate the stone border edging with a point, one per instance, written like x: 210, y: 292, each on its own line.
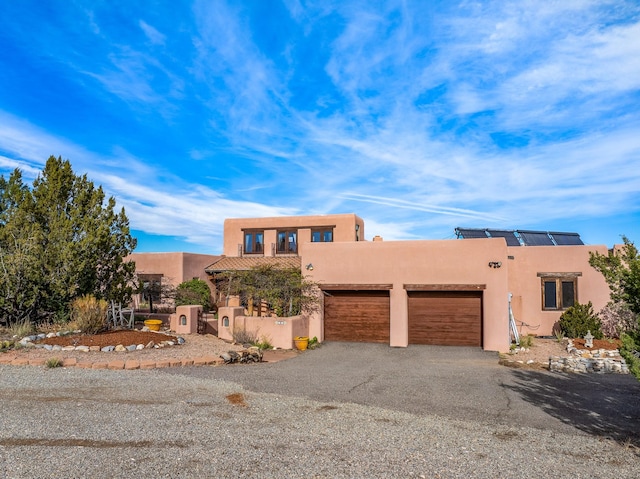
x: 130, y: 364
x: 602, y: 361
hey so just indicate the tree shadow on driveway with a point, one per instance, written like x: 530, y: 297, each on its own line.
x: 601, y: 405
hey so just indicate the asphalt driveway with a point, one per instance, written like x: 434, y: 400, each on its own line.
x: 455, y: 382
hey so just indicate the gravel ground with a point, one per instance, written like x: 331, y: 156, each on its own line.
x: 77, y: 423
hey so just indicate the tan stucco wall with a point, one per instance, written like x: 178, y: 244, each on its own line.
x: 279, y: 332
x: 175, y: 267
x: 450, y: 262
x: 526, y: 286
x: 344, y: 229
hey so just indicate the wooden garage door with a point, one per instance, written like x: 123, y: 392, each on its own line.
x: 356, y: 316
x: 450, y: 318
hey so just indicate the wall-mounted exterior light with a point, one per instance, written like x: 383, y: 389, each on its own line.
x: 309, y: 267
x: 494, y: 264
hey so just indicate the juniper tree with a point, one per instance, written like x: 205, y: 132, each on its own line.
x: 63, y: 239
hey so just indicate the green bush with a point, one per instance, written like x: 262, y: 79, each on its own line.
x: 53, y: 363
x: 264, y: 343
x: 576, y: 321
x: 89, y: 314
x: 313, y: 343
x: 630, y: 351
x: 526, y: 341
x: 195, y: 291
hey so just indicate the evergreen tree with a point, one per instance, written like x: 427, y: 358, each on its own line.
x: 64, y: 230
x: 621, y: 271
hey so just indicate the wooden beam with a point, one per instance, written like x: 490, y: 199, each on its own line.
x: 444, y: 287
x: 355, y: 287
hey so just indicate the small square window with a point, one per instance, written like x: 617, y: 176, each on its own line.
x: 287, y: 242
x: 322, y: 235
x: 253, y: 242
x: 559, y: 293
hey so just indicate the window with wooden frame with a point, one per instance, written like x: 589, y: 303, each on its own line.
x: 287, y: 242
x: 253, y: 242
x: 559, y: 290
x: 322, y: 235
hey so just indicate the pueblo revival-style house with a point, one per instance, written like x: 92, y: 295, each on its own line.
x: 445, y: 292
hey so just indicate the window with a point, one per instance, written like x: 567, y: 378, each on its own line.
x: 287, y: 242
x: 322, y: 235
x: 559, y: 292
x: 254, y: 242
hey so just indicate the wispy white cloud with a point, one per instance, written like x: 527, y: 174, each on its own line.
x: 155, y: 200
x: 152, y: 34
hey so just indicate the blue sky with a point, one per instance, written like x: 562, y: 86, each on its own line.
x: 419, y: 116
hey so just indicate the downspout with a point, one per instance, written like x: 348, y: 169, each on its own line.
x: 512, y: 324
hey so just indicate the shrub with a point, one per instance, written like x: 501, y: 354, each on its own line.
x: 630, y: 351
x: 313, y: 343
x: 526, y: 341
x: 195, y: 291
x: 557, y: 332
x: 242, y: 336
x: 89, y: 314
x: 21, y: 328
x: 617, y: 318
x: 264, y: 343
x: 576, y: 321
x: 53, y: 363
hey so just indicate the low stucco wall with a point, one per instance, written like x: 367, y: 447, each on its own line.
x: 279, y: 332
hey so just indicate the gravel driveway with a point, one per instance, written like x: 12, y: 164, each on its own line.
x: 343, y: 410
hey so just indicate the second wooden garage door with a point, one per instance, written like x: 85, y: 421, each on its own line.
x: 450, y: 318
x: 356, y: 316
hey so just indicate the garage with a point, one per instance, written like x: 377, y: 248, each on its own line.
x: 361, y: 316
x: 449, y: 318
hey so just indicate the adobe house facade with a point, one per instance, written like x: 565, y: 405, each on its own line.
x: 449, y: 292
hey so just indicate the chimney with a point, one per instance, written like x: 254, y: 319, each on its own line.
x: 377, y: 238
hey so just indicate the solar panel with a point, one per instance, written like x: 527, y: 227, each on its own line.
x: 563, y: 239
x: 535, y: 238
x: 509, y: 236
x: 467, y: 233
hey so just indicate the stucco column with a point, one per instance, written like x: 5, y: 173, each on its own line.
x: 399, y: 320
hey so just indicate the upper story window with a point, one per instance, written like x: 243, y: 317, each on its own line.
x: 559, y: 292
x: 322, y: 235
x: 253, y: 242
x: 287, y: 242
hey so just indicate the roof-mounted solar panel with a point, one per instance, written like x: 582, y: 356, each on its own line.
x: 535, y: 238
x: 566, y: 239
x: 509, y: 236
x: 468, y: 233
